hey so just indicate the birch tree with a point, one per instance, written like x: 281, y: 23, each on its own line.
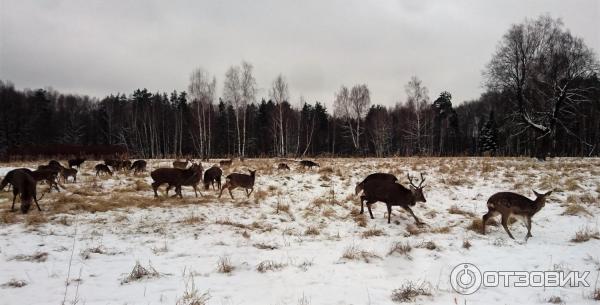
x: 232, y: 93
x: 202, y: 91
x: 351, y: 106
x: 417, y: 100
x: 279, y: 93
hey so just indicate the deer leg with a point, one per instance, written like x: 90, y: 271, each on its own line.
x: 362, y: 202
x: 389, y: 209
x: 230, y: 194
x: 505, y: 225
x: 195, y: 192
x: 413, y: 214
x: 36, y: 203
x: 12, y: 208
x: 221, y: 193
x: 369, y: 208
x: 528, y: 220
x: 155, y: 187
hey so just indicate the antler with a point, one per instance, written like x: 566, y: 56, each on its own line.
x: 410, y: 180
x: 422, y: 180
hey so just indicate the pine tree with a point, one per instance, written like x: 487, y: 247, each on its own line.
x: 488, y: 137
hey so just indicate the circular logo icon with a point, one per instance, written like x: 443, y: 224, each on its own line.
x: 465, y: 278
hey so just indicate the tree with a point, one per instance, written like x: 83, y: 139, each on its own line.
x: 417, y: 99
x: 488, y: 137
x: 351, y: 106
x: 379, y: 128
x: 232, y: 92
x: 202, y: 91
x: 248, y: 95
x: 280, y: 93
x: 541, y: 65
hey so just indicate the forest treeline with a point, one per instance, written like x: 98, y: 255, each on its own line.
x: 542, y: 98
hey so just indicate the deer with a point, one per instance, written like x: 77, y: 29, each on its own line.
x: 50, y: 176
x: 125, y: 164
x: 102, y: 169
x: 393, y: 194
x: 175, y: 177
x: 283, y: 166
x: 193, y: 180
x: 510, y: 204
x: 23, y: 185
x: 212, y: 176
x: 115, y: 164
x: 55, y: 164
x: 308, y: 163
x: 235, y: 180
x: 224, y: 163
x: 138, y: 166
x: 181, y: 164
x: 76, y: 162
x: 69, y: 172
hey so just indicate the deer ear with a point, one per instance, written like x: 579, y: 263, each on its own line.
x: 548, y: 193
x: 536, y: 193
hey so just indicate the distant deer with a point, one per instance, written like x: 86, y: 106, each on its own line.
x: 224, y: 163
x: 175, y: 177
x: 69, y: 172
x: 115, y: 164
x: 23, y: 185
x: 374, y: 177
x: 283, y: 166
x: 138, y: 166
x: 55, y: 164
x: 50, y: 176
x: 393, y: 194
x: 102, y: 169
x: 76, y: 162
x: 181, y: 164
x: 212, y: 176
x: 511, y: 204
x: 308, y: 163
x: 125, y: 164
x: 235, y: 180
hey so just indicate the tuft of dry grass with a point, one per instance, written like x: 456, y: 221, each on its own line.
x: 466, y: 244
x: 401, y: 248
x: 224, y: 265
x: 441, y: 230
x: 429, y: 245
x: 412, y: 229
x: 312, y: 230
x: 372, y: 232
x: 576, y: 209
x: 260, y: 196
x: 87, y: 253
x: 353, y: 252
x: 37, y: 257
x: 454, y: 209
x: 191, y: 296
x: 141, y: 185
x: 410, y: 291
x: 139, y: 273
x: 476, y: 224
x: 596, y: 294
x: 555, y: 300
x: 35, y: 219
x: 8, y: 217
x: 585, y: 235
x: 191, y: 219
x: 264, y: 246
x: 269, y: 265
x: 572, y: 185
x: 13, y: 283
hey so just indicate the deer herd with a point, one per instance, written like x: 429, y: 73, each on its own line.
x: 376, y: 187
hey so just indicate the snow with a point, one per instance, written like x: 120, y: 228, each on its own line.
x: 185, y: 239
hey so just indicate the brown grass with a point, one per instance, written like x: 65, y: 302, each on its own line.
x: 576, y: 209
x: 264, y: 246
x: 139, y: 273
x: 353, y: 252
x: 8, y: 217
x: 312, y: 230
x: 466, y: 244
x: 34, y: 219
x: 429, y: 245
x: 585, y: 235
x: 13, y: 283
x: 372, y: 232
x: 260, y: 196
x: 454, y: 209
x: 224, y: 265
x: 37, y: 257
x: 269, y: 265
x: 410, y: 291
x: 401, y: 248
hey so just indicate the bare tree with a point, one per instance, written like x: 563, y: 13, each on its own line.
x: 417, y: 100
x: 248, y: 94
x: 202, y: 91
x: 351, y: 106
x: 379, y: 124
x: 232, y: 92
x: 279, y: 93
x: 542, y: 67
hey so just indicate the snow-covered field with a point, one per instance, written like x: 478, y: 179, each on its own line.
x: 299, y: 238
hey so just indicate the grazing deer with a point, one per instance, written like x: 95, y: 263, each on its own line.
x: 393, y: 194
x: 115, y: 164
x: 23, y: 185
x: 283, y: 166
x: 69, y: 172
x: 511, y: 204
x: 55, y: 164
x: 138, y: 166
x: 76, y: 162
x: 374, y: 177
x: 181, y: 164
x: 308, y: 163
x: 212, y: 176
x: 224, y: 163
x: 235, y: 180
x: 175, y: 177
x: 102, y: 168
x: 125, y: 164
x: 50, y: 176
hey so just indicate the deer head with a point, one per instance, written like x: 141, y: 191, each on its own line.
x: 541, y: 198
x: 417, y: 190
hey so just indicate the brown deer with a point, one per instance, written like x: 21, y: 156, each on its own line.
x: 212, y: 176
x: 181, y: 164
x: 193, y: 180
x: 283, y: 166
x: 69, y: 172
x: 175, y: 177
x: 102, y: 169
x: 308, y: 163
x: 23, y: 185
x: 511, y: 204
x: 393, y: 194
x: 50, y: 176
x: 235, y: 180
x: 374, y: 177
x: 115, y: 164
x: 125, y: 164
x: 224, y: 163
x: 76, y: 162
x: 138, y: 166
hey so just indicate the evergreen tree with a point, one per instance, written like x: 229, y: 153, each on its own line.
x: 488, y: 137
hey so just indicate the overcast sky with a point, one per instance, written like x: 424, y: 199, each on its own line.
x: 103, y: 47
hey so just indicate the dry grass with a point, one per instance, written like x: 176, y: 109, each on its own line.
x: 260, y: 196
x: 410, y: 291
x: 192, y: 219
x: 585, y: 235
x: 87, y: 253
x: 596, y: 294
x: 576, y: 209
x: 429, y: 245
x: 572, y: 185
x: 372, y: 232
x: 264, y: 246
x: 353, y: 252
x: 476, y: 224
x: 191, y: 296
x: 454, y: 209
x: 35, y: 219
x: 224, y: 265
x: 413, y: 229
x: 13, y: 283
x: 8, y: 217
x: 269, y: 265
x: 401, y: 248
x: 139, y: 273
x: 466, y: 244
x: 555, y: 300
x: 312, y: 230
x: 37, y: 257
x: 441, y: 230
